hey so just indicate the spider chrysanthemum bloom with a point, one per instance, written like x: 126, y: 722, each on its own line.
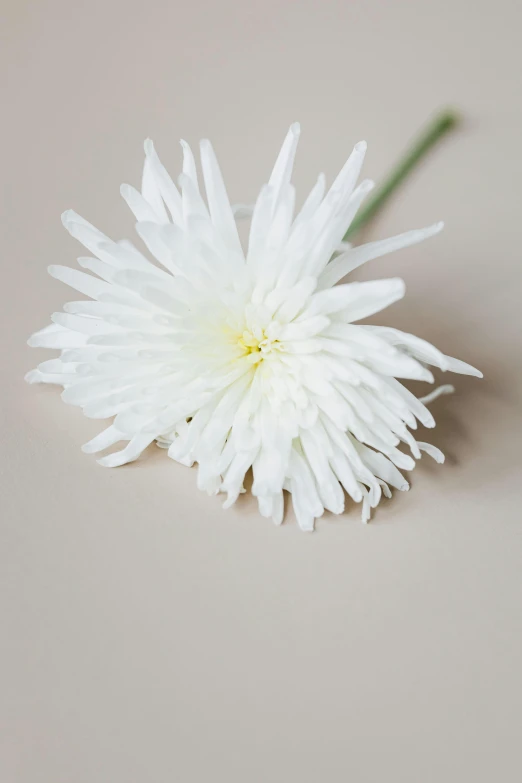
x: 239, y: 360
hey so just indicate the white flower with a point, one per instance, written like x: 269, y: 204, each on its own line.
x: 246, y: 360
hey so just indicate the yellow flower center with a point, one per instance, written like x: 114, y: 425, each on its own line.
x: 256, y: 346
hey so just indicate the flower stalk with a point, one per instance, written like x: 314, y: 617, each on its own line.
x: 438, y: 127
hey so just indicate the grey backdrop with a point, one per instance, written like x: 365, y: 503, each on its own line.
x: 147, y: 634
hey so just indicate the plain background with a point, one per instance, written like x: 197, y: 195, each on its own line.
x: 147, y: 635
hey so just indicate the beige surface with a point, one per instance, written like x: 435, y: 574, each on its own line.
x: 151, y: 636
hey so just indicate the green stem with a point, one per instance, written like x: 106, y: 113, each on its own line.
x: 438, y: 127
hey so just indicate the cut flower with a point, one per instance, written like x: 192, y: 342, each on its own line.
x: 237, y: 360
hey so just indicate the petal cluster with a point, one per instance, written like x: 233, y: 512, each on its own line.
x: 239, y: 360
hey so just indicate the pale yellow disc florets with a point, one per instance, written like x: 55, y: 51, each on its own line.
x: 256, y: 345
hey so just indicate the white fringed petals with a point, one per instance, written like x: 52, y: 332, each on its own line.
x: 245, y: 360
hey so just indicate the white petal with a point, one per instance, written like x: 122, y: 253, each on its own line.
x: 106, y: 438
x: 284, y: 164
x: 151, y: 192
x: 433, y: 451
x: 85, y: 284
x: 131, y: 452
x: 349, y: 174
x: 140, y: 208
x: 356, y: 300
x: 218, y: 203
x: 440, y: 390
x: 355, y: 257
x: 166, y: 186
x: 456, y: 365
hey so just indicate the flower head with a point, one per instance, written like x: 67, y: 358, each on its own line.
x: 239, y: 360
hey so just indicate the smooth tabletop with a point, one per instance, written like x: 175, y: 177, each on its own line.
x: 149, y: 635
